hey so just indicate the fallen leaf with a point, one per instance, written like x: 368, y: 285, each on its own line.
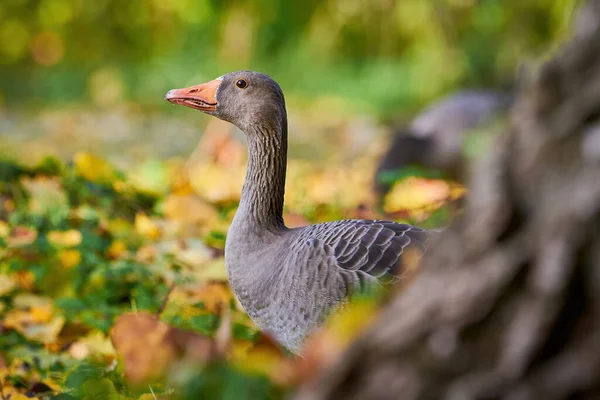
x: 7, y: 284
x: 99, y: 388
x: 95, y: 344
x: 213, y: 295
x: 416, y: 194
x: 4, y: 229
x: 69, y: 238
x: 25, y: 279
x: 94, y: 168
x: 41, y: 313
x: 146, y: 227
x: 69, y: 258
x: 190, y: 209
x: 148, y: 346
x: 117, y: 248
x: 27, y: 322
x: 22, y: 236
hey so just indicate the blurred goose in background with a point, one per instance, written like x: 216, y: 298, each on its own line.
x: 289, y: 280
x: 435, y: 137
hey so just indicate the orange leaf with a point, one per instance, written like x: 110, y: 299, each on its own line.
x: 148, y: 346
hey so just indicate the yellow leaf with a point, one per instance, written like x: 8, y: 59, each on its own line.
x: 26, y: 322
x: 189, y: 209
x: 414, y: 194
x: 17, y: 396
x: 4, y: 229
x: 117, y: 248
x: 95, y: 344
x: 263, y: 357
x: 70, y: 238
x: 69, y: 258
x: 240, y: 349
x: 94, y: 168
x: 7, y: 284
x: 213, y: 295
x: 146, y: 227
x: 457, y: 191
x: 41, y: 314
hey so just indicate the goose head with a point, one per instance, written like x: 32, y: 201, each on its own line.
x: 250, y: 100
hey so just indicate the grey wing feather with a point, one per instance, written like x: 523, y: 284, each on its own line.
x: 370, y: 248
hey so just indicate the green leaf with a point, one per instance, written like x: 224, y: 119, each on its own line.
x: 98, y: 389
x: 81, y: 374
x: 390, y: 177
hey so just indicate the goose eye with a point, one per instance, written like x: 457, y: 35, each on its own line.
x: 241, y: 83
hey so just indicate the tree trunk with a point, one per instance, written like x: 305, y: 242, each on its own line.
x: 508, y: 302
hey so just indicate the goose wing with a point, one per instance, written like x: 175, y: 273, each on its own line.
x: 368, y: 248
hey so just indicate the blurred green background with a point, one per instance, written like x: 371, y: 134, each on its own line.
x: 385, y: 57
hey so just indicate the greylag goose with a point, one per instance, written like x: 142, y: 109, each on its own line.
x: 289, y: 280
x: 435, y: 137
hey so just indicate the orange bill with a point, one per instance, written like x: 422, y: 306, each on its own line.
x: 200, y: 97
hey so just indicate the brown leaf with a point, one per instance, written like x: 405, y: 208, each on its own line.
x: 22, y: 236
x: 148, y: 346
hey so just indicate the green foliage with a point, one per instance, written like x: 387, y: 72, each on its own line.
x: 391, y: 177
x: 385, y: 56
x: 222, y: 382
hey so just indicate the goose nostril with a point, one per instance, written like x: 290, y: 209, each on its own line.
x: 193, y: 90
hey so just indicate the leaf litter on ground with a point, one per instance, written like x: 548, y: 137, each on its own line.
x: 113, y: 285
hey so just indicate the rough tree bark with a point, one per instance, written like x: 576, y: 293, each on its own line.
x: 508, y: 302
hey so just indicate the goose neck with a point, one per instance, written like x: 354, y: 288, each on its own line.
x: 262, y: 194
